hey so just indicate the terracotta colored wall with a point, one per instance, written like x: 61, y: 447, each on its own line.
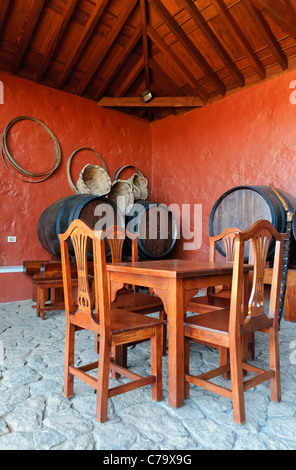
x: 247, y: 138
x: 76, y: 123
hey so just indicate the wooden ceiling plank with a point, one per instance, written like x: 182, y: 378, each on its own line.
x: 60, y: 28
x: 266, y: 32
x: 107, y: 45
x: 157, y: 102
x: 188, y: 75
x: 228, y: 18
x: 120, y: 61
x: 212, y: 38
x: 165, y: 77
x: 131, y: 77
x: 145, y: 41
x: 24, y: 38
x: 283, y: 17
x: 188, y: 44
x: 82, y: 40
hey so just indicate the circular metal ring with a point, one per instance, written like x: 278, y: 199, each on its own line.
x: 5, y: 153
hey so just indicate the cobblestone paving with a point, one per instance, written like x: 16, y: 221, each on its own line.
x: 34, y: 415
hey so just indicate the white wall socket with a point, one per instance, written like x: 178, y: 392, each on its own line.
x: 11, y: 239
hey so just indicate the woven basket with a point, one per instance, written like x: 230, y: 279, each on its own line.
x: 93, y: 180
x: 122, y: 195
x: 138, y: 181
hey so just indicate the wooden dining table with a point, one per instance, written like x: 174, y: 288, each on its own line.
x: 175, y: 282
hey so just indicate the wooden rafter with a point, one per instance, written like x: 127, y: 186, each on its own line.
x: 29, y: 26
x: 265, y: 30
x: 229, y: 20
x: 120, y: 61
x: 157, y: 102
x: 284, y: 15
x: 82, y: 40
x: 188, y: 75
x: 188, y: 44
x: 3, y: 12
x: 51, y: 47
x: 134, y: 72
x: 213, y: 40
x: 125, y: 13
x: 145, y: 41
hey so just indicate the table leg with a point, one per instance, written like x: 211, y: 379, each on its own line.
x: 176, y: 343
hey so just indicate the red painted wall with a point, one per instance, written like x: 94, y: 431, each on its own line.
x: 247, y: 138
x: 76, y: 123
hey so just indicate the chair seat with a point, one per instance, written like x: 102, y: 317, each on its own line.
x: 210, y: 300
x: 217, y: 320
x: 123, y: 321
x: 136, y: 301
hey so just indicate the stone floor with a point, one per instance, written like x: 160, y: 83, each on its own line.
x: 34, y: 415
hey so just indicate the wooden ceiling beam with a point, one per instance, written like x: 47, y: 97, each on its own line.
x: 125, y: 13
x: 3, y: 12
x: 25, y: 36
x: 81, y: 40
x: 120, y: 61
x: 188, y: 44
x: 131, y: 77
x: 213, y: 40
x: 157, y: 102
x: 187, y: 74
x: 282, y: 15
x: 266, y: 32
x: 143, y: 5
x: 60, y: 27
x: 239, y: 35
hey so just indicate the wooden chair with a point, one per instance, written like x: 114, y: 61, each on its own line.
x: 130, y: 298
x: 216, y: 298
x: 227, y: 327
x: 115, y: 327
x: 48, y: 284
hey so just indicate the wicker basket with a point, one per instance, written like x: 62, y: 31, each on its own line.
x: 93, y: 180
x: 138, y: 181
x: 122, y: 195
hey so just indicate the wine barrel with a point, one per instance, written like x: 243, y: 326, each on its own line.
x: 156, y: 227
x: 242, y: 206
x: 56, y: 218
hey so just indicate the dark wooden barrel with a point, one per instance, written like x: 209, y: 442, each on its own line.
x: 157, y: 229
x: 56, y: 218
x: 242, y: 206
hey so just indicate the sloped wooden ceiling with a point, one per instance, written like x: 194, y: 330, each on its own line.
x: 187, y: 53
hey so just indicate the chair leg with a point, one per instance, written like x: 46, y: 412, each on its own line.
x: 274, y: 361
x: 163, y: 316
x: 69, y: 360
x: 156, y: 363
x: 236, y: 370
x: 103, y: 381
x: 97, y: 344
x: 224, y: 360
x: 186, y: 366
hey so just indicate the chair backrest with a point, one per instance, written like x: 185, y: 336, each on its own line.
x: 116, y: 236
x: 260, y: 234
x: 81, y: 234
x: 228, y: 237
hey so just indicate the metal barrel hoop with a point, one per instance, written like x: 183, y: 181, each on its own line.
x: 7, y: 156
